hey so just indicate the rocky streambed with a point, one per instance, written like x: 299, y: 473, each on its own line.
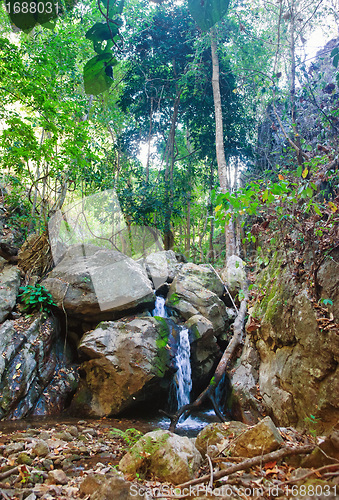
x: 93, y: 460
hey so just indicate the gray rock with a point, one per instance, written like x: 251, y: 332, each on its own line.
x: 196, y: 290
x: 31, y: 358
x: 244, y: 380
x: 129, y: 363
x: 111, y: 487
x: 162, y: 267
x: 293, y: 362
x: 9, y: 289
x: 165, y: 455
x: 13, y: 448
x: 93, y: 283
x: 40, y: 448
x: 63, y: 435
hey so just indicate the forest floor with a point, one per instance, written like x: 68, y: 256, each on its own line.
x: 53, y: 461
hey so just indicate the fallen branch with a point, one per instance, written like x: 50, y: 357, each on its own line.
x: 251, y: 462
x: 315, y: 471
x: 8, y: 473
x: 223, y: 366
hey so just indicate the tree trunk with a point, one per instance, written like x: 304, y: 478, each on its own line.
x: 169, y: 158
x: 219, y: 142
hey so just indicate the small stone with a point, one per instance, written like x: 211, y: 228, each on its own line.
x: 41, y: 448
x: 44, y: 435
x: 64, y: 436
x: 13, y: 448
x: 90, y: 484
x: 73, y: 430
x: 91, y: 432
x: 67, y: 464
x: 57, y: 476
x: 32, y: 496
x: 47, y: 463
x: 24, y: 459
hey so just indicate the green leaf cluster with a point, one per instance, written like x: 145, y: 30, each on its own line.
x: 36, y: 298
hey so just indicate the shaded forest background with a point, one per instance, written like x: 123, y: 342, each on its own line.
x: 151, y: 136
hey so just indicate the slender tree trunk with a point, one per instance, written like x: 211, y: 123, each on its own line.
x: 149, y: 140
x: 219, y: 142
x: 293, y: 78
x: 169, y: 158
x: 211, y: 248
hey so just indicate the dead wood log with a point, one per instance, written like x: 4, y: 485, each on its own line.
x: 223, y: 367
x: 252, y: 462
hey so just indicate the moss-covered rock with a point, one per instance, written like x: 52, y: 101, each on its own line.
x: 217, y: 433
x: 162, y: 454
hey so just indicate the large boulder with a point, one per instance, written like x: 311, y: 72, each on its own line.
x: 94, y: 283
x: 197, y: 290
x: 162, y: 267
x: 31, y: 360
x: 9, y: 288
x: 205, y: 351
x: 129, y: 360
x: 298, y: 360
x: 245, y: 383
x: 162, y: 454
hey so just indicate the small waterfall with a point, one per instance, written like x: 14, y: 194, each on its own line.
x: 160, y: 308
x: 183, y: 375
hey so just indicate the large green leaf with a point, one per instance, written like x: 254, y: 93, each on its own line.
x: 97, y: 71
x: 207, y: 12
x: 100, y: 32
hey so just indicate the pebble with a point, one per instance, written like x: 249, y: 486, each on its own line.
x: 64, y: 436
x: 57, y: 476
x: 73, y: 430
x: 41, y: 448
x: 91, y: 432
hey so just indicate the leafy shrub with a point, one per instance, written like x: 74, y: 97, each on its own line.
x: 130, y: 436
x: 36, y: 298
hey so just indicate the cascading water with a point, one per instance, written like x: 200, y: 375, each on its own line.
x: 183, y: 375
x: 182, y: 382
x: 160, y: 308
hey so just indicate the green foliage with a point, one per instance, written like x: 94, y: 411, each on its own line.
x: 206, y: 14
x: 326, y: 302
x: 312, y: 423
x: 130, y: 436
x: 97, y: 77
x: 36, y: 298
